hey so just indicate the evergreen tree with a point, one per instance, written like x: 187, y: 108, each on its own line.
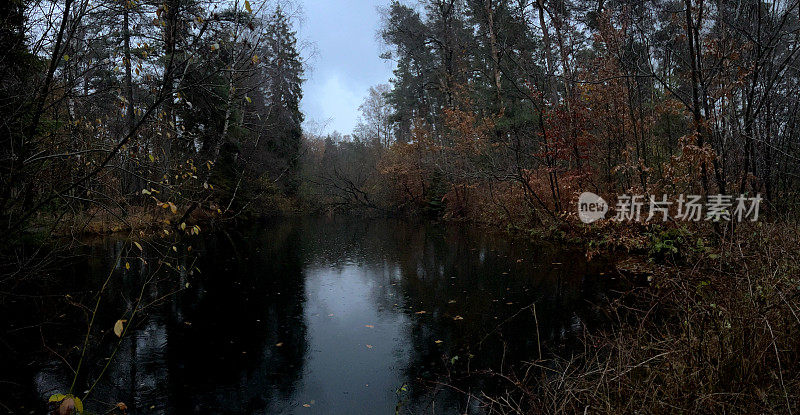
x: 284, y: 74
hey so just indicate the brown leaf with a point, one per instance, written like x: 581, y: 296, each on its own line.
x: 118, y: 328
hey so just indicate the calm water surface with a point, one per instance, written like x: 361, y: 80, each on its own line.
x: 307, y: 316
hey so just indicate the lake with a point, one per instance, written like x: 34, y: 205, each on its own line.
x: 305, y: 316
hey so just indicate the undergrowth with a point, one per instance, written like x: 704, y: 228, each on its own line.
x: 716, y: 331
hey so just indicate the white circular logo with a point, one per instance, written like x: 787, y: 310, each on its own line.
x: 591, y: 207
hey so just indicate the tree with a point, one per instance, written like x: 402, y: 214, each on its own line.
x: 375, y: 124
x: 284, y: 70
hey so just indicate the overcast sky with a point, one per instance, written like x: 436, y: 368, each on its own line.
x: 346, y: 63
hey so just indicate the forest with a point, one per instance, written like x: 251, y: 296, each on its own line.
x: 504, y: 111
x: 157, y: 123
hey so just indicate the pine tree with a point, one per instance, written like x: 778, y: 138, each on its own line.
x: 284, y: 72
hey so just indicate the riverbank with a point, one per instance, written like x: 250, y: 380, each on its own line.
x: 715, y: 330
x: 153, y: 218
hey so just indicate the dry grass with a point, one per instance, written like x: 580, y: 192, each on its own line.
x: 97, y: 221
x: 719, y: 335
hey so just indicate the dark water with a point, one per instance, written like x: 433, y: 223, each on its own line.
x: 299, y: 316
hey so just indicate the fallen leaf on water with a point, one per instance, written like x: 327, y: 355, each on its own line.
x: 458, y: 318
x: 118, y: 327
x: 451, y: 302
x: 305, y: 405
x: 369, y: 346
x: 439, y: 341
x: 369, y: 326
x: 279, y: 344
x: 421, y: 312
x: 330, y: 315
x: 509, y: 303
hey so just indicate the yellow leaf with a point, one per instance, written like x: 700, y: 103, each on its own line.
x: 137, y: 245
x: 58, y: 397
x: 247, y: 6
x: 118, y: 328
x: 151, y: 157
x: 248, y: 99
x: 127, y: 265
x: 438, y: 341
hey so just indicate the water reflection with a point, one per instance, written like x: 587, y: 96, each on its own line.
x: 331, y: 316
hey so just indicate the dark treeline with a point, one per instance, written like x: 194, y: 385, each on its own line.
x: 186, y: 107
x: 506, y: 109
